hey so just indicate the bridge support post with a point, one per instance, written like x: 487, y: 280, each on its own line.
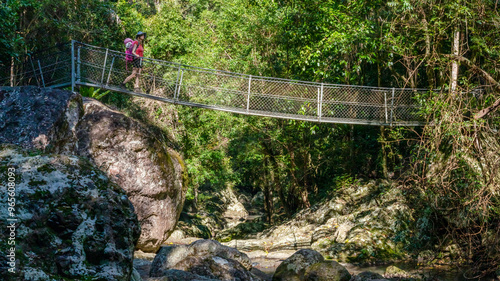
x: 392, y: 106
x: 41, y: 73
x: 176, y: 97
x: 177, y: 81
x: 248, y: 94
x: 320, y: 102
x: 79, y: 62
x: 34, y: 71
x: 385, y: 107
x: 104, y: 66
x: 72, y: 65
x: 110, y: 69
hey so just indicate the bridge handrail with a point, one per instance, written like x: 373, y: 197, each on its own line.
x: 264, y: 78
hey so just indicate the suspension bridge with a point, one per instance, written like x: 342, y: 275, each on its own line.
x: 79, y: 64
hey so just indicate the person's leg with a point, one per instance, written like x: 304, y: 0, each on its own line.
x: 136, y: 84
x: 134, y: 74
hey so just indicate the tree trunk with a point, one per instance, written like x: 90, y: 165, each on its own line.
x: 12, y: 71
x: 304, y: 196
x: 379, y: 74
x: 195, y: 201
x: 268, y: 200
x: 382, y: 131
x: 279, y: 189
x: 495, y: 84
x: 352, y: 162
x: 431, y: 80
x: 268, y: 195
x: 385, y: 171
x: 454, y: 64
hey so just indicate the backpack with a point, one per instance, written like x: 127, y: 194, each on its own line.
x: 129, y: 45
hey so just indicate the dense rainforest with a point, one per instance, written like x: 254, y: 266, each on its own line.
x: 448, y: 169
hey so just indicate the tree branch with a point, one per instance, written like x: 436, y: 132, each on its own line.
x: 496, y: 85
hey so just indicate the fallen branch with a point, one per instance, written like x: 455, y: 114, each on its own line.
x: 485, y: 111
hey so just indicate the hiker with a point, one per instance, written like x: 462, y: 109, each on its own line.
x: 137, y: 53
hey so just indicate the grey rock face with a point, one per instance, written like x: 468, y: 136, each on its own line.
x: 73, y: 223
x: 152, y: 176
x: 36, y: 118
x: 360, y: 217
x: 235, y: 211
x: 205, y: 258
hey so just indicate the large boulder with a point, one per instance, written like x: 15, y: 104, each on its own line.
x: 293, y: 268
x: 43, y: 119
x: 327, y: 271
x: 310, y: 265
x: 68, y: 220
x: 234, y: 212
x: 205, y: 258
x: 152, y: 175
x: 128, y: 151
x: 394, y: 271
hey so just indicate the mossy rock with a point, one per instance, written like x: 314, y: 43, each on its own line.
x: 73, y: 224
x: 327, y: 271
x: 394, y: 271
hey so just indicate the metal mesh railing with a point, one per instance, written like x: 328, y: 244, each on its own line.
x: 227, y: 91
x: 49, y: 68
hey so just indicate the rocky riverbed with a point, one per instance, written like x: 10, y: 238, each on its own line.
x: 264, y: 265
x: 358, y: 224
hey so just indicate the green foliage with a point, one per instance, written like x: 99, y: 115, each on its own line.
x: 204, y: 141
x: 131, y: 20
x: 117, y: 99
x: 30, y: 26
x: 11, y: 42
x: 169, y: 34
x: 397, y: 43
x: 91, y: 92
x: 343, y: 180
x: 454, y: 190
